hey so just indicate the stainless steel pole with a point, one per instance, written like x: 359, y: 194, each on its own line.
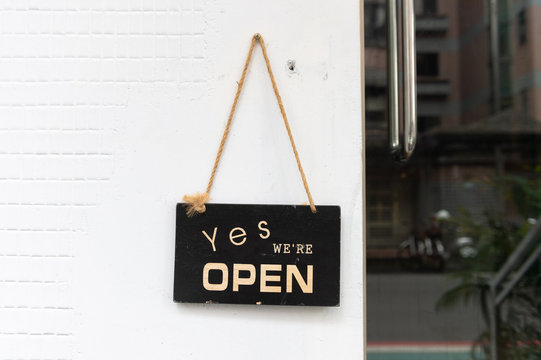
x: 399, y: 151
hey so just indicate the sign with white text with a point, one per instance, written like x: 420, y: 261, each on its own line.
x: 258, y: 254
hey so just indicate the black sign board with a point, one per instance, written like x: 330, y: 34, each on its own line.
x: 258, y: 254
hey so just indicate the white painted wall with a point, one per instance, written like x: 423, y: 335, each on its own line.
x: 110, y: 111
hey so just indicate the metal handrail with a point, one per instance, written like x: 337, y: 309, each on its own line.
x: 496, y: 297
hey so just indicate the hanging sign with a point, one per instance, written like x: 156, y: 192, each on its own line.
x: 258, y: 254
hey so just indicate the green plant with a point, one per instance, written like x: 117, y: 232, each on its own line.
x: 495, y: 236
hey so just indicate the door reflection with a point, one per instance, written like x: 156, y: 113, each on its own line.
x: 440, y: 226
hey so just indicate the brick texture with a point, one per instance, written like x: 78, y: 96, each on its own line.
x: 110, y: 111
x: 66, y: 71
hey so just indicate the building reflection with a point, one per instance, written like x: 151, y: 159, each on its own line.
x: 468, y: 132
x: 479, y: 118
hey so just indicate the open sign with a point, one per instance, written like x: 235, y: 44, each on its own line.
x: 258, y: 254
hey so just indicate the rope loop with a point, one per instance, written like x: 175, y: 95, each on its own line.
x: 196, y: 202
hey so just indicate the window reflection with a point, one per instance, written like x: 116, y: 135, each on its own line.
x: 477, y: 160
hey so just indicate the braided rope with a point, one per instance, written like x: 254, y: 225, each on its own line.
x: 196, y: 202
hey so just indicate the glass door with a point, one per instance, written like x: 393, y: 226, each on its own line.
x: 453, y: 233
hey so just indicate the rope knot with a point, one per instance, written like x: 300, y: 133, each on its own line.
x: 196, y: 203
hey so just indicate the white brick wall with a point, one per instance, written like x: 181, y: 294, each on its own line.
x: 111, y: 110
